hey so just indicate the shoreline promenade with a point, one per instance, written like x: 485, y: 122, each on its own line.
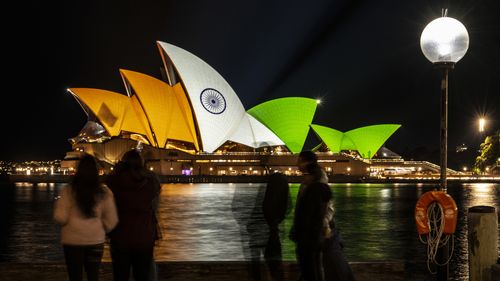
x: 197, y: 270
x: 263, y: 179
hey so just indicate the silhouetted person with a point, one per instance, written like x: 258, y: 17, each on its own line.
x: 276, y: 206
x: 132, y: 241
x: 308, y: 226
x: 7, y: 201
x: 257, y: 231
x: 333, y: 265
x: 86, y: 211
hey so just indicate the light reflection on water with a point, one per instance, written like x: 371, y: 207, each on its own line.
x: 204, y: 222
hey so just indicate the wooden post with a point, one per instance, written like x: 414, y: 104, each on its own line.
x: 483, y: 242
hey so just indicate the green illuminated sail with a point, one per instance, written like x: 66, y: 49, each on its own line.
x: 331, y: 137
x: 366, y: 140
x: 289, y: 118
x: 369, y: 139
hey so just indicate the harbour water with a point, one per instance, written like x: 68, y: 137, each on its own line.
x: 223, y: 222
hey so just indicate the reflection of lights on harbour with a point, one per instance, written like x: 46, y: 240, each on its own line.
x: 348, y: 190
x: 482, y: 194
x: 385, y: 193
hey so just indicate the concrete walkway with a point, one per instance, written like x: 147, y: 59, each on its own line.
x: 194, y: 271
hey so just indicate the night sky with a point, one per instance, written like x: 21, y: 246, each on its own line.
x: 362, y: 58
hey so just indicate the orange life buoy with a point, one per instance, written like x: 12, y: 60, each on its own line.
x: 449, y: 208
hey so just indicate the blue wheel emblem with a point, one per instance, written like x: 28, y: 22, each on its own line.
x: 213, y: 101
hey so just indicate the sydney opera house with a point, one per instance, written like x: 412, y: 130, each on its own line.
x: 192, y: 122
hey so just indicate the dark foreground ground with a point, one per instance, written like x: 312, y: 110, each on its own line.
x: 194, y: 271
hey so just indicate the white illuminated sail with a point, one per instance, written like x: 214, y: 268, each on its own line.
x: 218, y: 110
x: 254, y: 134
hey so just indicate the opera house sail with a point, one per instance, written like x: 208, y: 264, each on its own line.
x: 194, y: 113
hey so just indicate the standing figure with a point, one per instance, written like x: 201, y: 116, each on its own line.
x: 308, y: 226
x: 332, y: 265
x: 132, y: 241
x: 86, y: 211
x: 275, y: 206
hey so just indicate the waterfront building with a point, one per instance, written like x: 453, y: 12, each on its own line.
x: 193, y: 123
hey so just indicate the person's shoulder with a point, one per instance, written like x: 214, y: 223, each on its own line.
x: 65, y: 194
x: 320, y: 188
x: 318, y: 170
x: 152, y: 176
x: 107, y: 191
x: 153, y: 179
x: 276, y: 179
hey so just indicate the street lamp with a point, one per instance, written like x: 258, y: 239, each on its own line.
x: 482, y: 123
x: 444, y: 41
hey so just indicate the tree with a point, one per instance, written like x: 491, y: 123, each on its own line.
x: 489, y: 153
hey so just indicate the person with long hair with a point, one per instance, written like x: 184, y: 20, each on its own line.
x: 132, y: 242
x: 86, y: 211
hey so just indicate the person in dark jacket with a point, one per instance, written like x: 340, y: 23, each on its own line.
x: 132, y: 242
x: 309, y: 235
x: 333, y: 265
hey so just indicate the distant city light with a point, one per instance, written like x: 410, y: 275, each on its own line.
x: 461, y: 148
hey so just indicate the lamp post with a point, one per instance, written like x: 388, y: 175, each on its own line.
x: 444, y: 41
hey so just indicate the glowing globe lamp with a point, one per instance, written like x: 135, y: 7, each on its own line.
x: 444, y: 40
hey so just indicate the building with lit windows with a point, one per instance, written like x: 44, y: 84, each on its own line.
x: 192, y: 122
